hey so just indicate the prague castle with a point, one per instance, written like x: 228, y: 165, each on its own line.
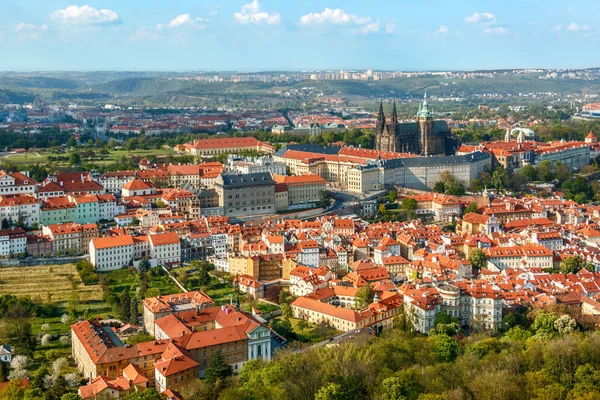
x: 426, y: 136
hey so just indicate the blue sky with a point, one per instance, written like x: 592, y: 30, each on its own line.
x: 297, y: 34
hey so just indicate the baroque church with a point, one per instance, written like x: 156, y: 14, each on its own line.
x: 426, y: 136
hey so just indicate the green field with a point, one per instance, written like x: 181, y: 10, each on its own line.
x: 41, y: 156
x: 50, y: 283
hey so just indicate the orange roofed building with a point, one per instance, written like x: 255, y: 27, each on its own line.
x: 211, y: 147
x: 115, y: 252
x: 189, y: 332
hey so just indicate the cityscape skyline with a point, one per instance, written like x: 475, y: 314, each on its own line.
x: 267, y: 35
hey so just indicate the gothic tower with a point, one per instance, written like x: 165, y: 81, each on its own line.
x: 393, y: 127
x: 425, y: 122
x: 380, y: 119
x: 385, y: 140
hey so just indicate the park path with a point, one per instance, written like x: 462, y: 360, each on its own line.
x: 179, y: 285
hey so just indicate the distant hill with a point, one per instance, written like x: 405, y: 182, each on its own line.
x: 39, y: 82
x: 14, y: 97
x: 138, y: 86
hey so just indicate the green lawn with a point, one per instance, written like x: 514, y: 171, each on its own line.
x: 122, y: 279
x: 313, y: 334
x: 41, y: 156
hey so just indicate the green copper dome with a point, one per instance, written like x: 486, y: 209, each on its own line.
x: 424, y: 111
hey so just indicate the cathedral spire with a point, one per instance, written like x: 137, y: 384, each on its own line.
x: 394, y: 113
x: 380, y: 119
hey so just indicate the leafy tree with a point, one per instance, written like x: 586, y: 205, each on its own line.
x: 381, y: 209
x: 70, y: 396
x: 218, y: 369
x: 34, y: 394
x: 573, y: 264
x: 455, y: 188
x: 130, y: 144
x: 144, y: 266
x: 19, y: 329
x: 282, y: 297
x: 149, y: 394
x: 331, y: 391
x: 565, y: 325
x: 392, y: 196
x: 562, y: 173
x: 577, y: 189
x: 71, y: 142
x: 124, y: 306
x: 133, y: 311
x: 500, y: 178
x: 543, y: 325
x: 405, y: 385
x: 324, y: 198
x: 153, y: 292
x: 409, y: 204
x: 14, y: 391
x: 303, y: 325
x: 74, y: 159
x: 140, y: 337
x: 364, y: 296
x: 448, y: 329
x: 286, y: 310
x: 528, y: 172
x: 471, y: 208
x: 517, y: 333
x: 477, y: 258
x: 58, y: 389
x: 160, y: 204
x: 203, y: 276
x: 445, y: 348
x: 439, y: 187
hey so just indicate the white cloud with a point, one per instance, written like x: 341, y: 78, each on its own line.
x: 369, y: 28
x: 556, y: 28
x: 184, y: 19
x: 442, y: 30
x: 160, y: 31
x: 252, y: 14
x: 390, y: 28
x: 337, y: 16
x: 481, y: 18
x: 497, y: 30
x: 573, y: 27
x: 86, y: 15
x: 30, y: 27
x: 30, y: 31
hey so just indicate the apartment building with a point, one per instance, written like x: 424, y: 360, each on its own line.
x: 529, y: 256
x: 23, y: 208
x: 114, y: 181
x: 113, y: 252
x: 182, y: 201
x: 472, y: 304
x: 241, y: 195
x: 165, y: 249
x: 304, y: 191
x: 71, y: 237
x: 13, y: 242
x: 155, y: 308
x: 12, y: 183
x: 137, y: 187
